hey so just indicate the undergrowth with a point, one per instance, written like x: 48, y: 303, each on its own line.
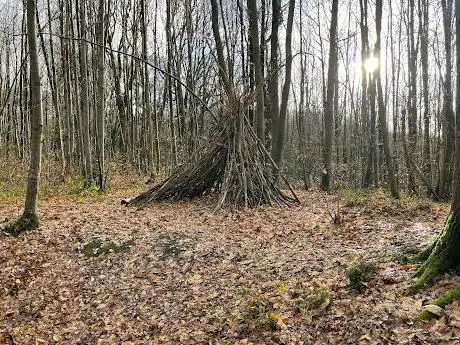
x: 360, y: 273
x: 13, y: 182
x: 97, y: 247
x: 379, y: 202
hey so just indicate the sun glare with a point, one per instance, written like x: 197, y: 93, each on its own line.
x: 371, y: 64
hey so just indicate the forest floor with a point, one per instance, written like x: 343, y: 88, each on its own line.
x: 176, y: 273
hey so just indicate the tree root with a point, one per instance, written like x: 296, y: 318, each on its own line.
x: 442, y: 301
x: 24, y: 223
x: 438, y: 258
x: 425, y: 253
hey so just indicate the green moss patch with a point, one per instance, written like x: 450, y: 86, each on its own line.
x: 173, y: 245
x: 442, y: 301
x: 97, y: 247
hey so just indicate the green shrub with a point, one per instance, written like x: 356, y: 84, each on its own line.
x: 315, y: 297
x: 258, y: 315
x: 361, y: 273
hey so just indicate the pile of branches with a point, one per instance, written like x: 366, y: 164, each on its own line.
x: 232, y: 164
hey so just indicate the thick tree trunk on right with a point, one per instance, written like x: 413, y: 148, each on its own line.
x: 329, y: 106
x: 448, y: 116
x: 444, y: 254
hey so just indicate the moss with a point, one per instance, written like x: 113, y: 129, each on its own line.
x: 434, y: 265
x: 28, y: 221
x: 175, y: 244
x: 425, y: 253
x: 96, y: 248
x: 360, y: 273
x: 355, y: 197
x: 442, y: 301
x: 438, y: 260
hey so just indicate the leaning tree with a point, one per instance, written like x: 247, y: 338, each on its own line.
x: 444, y: 253
x: 233, y: 163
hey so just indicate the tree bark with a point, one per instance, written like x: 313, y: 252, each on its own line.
x: 29, y: 219
x: 424, y: 24
x: 382, y: 107
x: 100, y: 91
x: 329, y: 106
x: 259, y: 82
x: 281, y: 126
x: 273, y: 77
x: 412, y: 97
x: 444, y: 253
x: 448, y: 122
x: 223, y: 71
x: 84, y: 102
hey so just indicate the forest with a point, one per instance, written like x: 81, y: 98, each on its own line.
x: 229, y: 172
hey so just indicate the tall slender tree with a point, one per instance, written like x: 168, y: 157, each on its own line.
x: 84, y: 97
x: 329, y: 106
x: 100, y: 99
x: 383, y: 131
x: 257, y: 61
x: 448, y: 116
x: 29, y: 219
x: 278, y: 143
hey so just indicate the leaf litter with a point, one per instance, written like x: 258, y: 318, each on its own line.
x: 187, y: 275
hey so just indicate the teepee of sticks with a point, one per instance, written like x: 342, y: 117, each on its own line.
x: 233, y: 164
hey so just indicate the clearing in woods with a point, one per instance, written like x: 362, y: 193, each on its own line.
x: 176, y: 273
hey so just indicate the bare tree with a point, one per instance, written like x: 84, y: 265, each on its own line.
x: 381, y: 105
x: 84, y: 101
x: 329, y: 106
x: 256, y: 57
x: 29, y: 219
x: 278, y: 143
x: 100, y: 99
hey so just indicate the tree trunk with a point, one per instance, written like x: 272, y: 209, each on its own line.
x: 274, y: 74
x: 84, y: 102
x: 223, y: 71
x: 29, y: 219
x: 364, y: 91
x: 281, y: 126
x: 445, y: 178
x: 100, y: 99
x: 444, y: 253
x: 424, y: 24
x: 259, y: 82
x: 329, y: 106
x: 382, y: 108
x: 412, y: 98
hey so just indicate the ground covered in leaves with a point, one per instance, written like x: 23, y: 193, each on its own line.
x: 99, y: 273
